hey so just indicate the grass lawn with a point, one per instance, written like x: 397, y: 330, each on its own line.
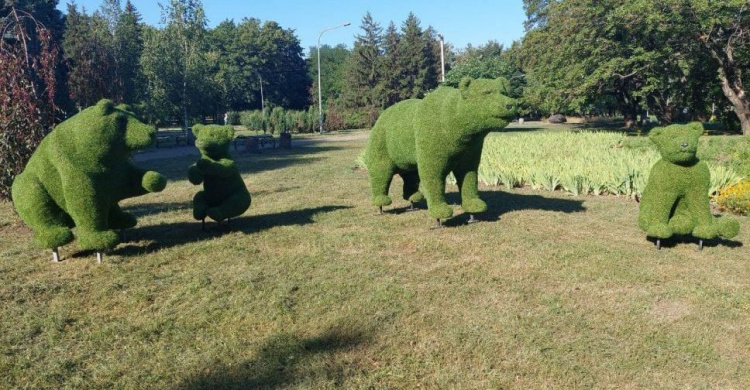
x: 310, y: 289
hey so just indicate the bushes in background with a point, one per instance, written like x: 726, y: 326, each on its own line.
x: 279, y: 120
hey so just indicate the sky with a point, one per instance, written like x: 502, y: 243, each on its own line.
x: 465, y: 22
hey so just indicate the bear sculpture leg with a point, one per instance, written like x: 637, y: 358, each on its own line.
x: 50, y: 223
x: 411, y: 189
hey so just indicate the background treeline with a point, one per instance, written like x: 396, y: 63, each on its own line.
x: 677, y: 60
x: 673, y: 60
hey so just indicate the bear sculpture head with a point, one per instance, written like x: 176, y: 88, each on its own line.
x: 486, y: 104
x: 213, y: 140
x: 105, y: 132
x: 678, y: 144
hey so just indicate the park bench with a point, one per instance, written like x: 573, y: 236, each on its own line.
x: 172, y: 138
x: 254, y: 143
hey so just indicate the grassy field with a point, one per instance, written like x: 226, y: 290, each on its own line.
x: 310, y: 289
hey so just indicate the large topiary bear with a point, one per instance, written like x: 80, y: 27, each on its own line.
x: 224, y: 192
x: 424, y: 140
x: 78, y: 175
x: 676, y: 199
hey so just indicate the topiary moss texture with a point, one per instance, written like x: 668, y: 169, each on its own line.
x: 424, y: 140
x: 78, y: 175
x: 676, y: 200
x: 224, y: 192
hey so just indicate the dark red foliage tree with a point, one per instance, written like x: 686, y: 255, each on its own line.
x: 28, y: 57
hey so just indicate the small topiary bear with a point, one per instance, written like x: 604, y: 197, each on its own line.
x: 424, y: 140
x: 676, y: 199
x: 224, y: 192
x: 79, y: 173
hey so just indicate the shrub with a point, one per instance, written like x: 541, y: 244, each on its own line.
x: 233, y: 118
x: 735, y: 199
x: 557, y: 118
x: 253, y: 120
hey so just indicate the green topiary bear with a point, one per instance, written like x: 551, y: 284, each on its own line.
x: 78, y: 175
x: 676, y: 199
x: 424, y: 140
x: 224, y: 192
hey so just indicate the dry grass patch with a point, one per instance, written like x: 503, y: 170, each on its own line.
x: 309, y: 289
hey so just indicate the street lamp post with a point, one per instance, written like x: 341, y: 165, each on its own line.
x: 442, y: 56
x: 320, y: 91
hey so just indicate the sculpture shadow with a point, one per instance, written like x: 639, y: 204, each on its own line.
x: 180, y: 233
x: 511, y: 129
x: 144, y: 209
x: 674, y: 241
x: 499, y: 203
x: 282, y: 360
x: 175, y: 168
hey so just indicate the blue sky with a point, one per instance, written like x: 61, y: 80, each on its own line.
x: 461, y: 22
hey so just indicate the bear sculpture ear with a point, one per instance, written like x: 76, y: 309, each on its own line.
x: 655, y: 133
x: 696, y: 128
x: 504, y: 85
x: 463, y: 86
x: 125, y: 107
x: 197, y: 130
x: 105, y: 106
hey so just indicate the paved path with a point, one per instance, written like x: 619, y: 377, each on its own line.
x: 180, y: 151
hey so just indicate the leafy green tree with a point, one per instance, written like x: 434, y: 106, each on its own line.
x: 722, y: 30
x: 489, y: 61
x: 283, y: 67
x: 184, y: 45
x: 332, y: 71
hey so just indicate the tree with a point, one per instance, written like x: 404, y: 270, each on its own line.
x: 184, y: 41
x: 128, y: 50
x: 332, y: 71
x: 417, y: 59
x: 283, y: 67
x: 489, y: 61
x: 363, y: 71
x: 28, y: 58
x: 722, y: 29
x: 392, y: 72
x: 87, y: 48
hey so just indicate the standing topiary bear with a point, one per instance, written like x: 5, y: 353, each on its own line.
x: 424, y: 140
x: 676, y: 200
x: 224, y: 193
x: 78, y: 175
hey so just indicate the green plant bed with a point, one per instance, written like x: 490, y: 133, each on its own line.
x: 578, y: 162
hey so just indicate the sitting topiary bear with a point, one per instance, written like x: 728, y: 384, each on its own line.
x: 676, y: 199
x: 224, y: 193
x: 79, y: 173
x: 424, y: 140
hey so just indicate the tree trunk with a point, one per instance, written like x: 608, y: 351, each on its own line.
x: 738, y: 98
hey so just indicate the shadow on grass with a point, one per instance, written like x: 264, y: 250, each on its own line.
x: 144, y: 209
x: 499, y: 203
x: 175, y: 167
x: 180, y: 233
x: 688, y: 240
x: 285, y: 359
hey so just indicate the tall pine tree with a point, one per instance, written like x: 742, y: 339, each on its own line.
x: 129, y: 46
x: 363, y: 73
x: 417, y: 59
